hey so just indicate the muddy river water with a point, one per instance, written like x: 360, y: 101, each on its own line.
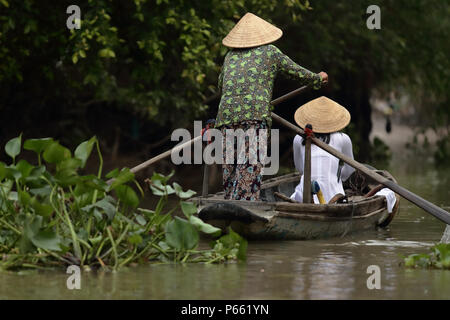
x: 321, y: 269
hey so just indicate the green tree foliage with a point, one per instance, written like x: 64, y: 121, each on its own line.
x: 407, y: 55
x: 160, y: 58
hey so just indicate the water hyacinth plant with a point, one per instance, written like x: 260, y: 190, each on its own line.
x: 439, y: 258
x: 51, y: 215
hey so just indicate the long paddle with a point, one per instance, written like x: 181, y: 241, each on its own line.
x: 434, y: 210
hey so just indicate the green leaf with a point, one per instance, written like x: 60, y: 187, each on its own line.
x: 188, y: 208
x: 68, y: 166
x: 42, y: 209
x: 127, y: 195
x: 83, y: 151
x: 113, y: 173
x: 47, y: 240
x: 43, y: 191
x: 141, y: 220
x: 12, y: 173
x: 24, y: 167
x: 135, y: 239
x: 181, y: 235
x: 31, y: 228
x: 37, y: 145
x: 182, y: 194
x: 106, y: 53
x: 163, y: 245
x: 233, y: 240
x: 124, y: 176
x: 2, y: 171
x: 163, y: 179
x: 107, y: 204
x: 12, y: 147
x: 24, y: 197
x: 204, y: 227
x: 55, y: 153
x: 90, y: 182
x: 96, y: 240
x: 159, y: 188
x: 37, y: 172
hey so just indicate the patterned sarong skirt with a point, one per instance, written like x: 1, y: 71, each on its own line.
x: 242, y: 176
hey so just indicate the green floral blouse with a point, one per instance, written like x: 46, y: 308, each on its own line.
x: 247, y: 79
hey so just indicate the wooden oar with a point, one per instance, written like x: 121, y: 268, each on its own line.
x: 434, y: 210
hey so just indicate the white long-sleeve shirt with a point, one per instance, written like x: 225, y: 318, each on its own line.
x: 324, y: 166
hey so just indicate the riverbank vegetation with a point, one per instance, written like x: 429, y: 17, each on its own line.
x: 52, y: 215
x: 439, y: 258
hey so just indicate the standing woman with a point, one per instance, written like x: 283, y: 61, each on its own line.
x: 246, y: 81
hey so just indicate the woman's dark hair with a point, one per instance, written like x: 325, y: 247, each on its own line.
x: 325, y: 137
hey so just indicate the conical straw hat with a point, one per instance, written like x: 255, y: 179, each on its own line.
x: 251, y: 31
x: 323, y: 114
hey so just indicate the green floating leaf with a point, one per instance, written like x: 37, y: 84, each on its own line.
x: 127, y: 195
x: 42, y: 209
x: 124, y: 176
x: 91, y: 182
x: 43, y: 191
x: 96, y: 240
x: 69, y: 165
x: 37, y: 145
x: 163, y: 245
x: 162, y: 178
x: 107, y: 205
x: 204, y: 227
x: 2, y: 171
x: 182, y: 194
x: 24, y: 167
x: 181, y: 235
x: 188, y: 208
x: 141, y: 220
x: 234, y: 241
x: 24, y: 197
x: 159, y: 188
x: 12, y: 173
x: 135, y: 239
x: 37, y: 172
x: 47, y: 240
x: 112, y: 173
x: 83, y: 151
x: 55, y: 153
x: 31, y: 228
x: 12, y: 147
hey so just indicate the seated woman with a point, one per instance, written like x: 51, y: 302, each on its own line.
x: 327, y: 119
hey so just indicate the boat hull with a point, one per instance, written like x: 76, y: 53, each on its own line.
x: 281, y: 220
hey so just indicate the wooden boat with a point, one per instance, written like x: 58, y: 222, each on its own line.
x: 277, y: 217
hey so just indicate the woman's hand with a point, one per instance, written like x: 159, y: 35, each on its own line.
x: 324, y: 76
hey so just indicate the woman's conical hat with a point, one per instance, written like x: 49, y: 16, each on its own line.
x: 251, y: 31
x: 325, y: 115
